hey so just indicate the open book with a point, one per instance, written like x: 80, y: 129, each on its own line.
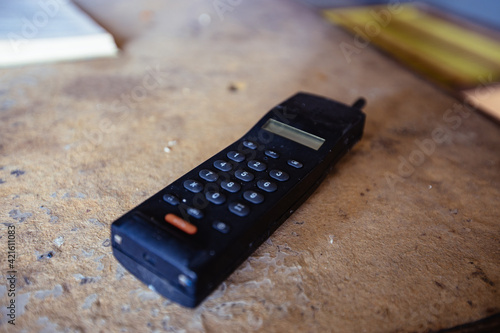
x: 33, y: 31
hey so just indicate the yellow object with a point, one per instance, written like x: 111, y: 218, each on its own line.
x: 446, y: 52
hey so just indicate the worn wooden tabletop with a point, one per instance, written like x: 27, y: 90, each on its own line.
x: 402, y: 236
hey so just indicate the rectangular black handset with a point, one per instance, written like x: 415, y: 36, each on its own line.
x: 186, y: 239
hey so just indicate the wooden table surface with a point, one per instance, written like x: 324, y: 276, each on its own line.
x: 402, y: 236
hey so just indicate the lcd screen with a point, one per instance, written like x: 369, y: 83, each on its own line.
x: 294, y: 134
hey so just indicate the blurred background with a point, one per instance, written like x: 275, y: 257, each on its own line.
x: 104, y: 103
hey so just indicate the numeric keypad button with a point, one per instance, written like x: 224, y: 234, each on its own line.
x: 171, y: 199
x: 235, y: 156
x: 256, y: 165
x: 195, y: 212
x: 193, y: 186
x: 253, y: 197
x: 208, y: 175
x: 223, y: 165
x: 215, y: 197
x: 295, y: 164
x: 250, y: 144
x: 267, y: 185
x: 221, y: 227
x: 239, y: 209
x: 244, y: 175
x: 230, y: 186
x: 279, y: 175
x: 272, y: 154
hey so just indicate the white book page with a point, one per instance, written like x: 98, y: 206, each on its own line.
x: 26, y: 24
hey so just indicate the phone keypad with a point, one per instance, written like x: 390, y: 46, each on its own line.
x: 267, y: 185
x: 250, y: 144
x: 239, y: 209
x: 171, y: 199
x: 221, y: 227
x: 215, y: 197
x: 256, y: 165
x: 208, y: 175
x: 244, y: 175
x: 193, y: 186
x: 295, y: 164
x: 272, y: 154
x: 235, y: 156
x: 222, y: 189
x: 223, y: 165
x: 181, y: 224
x: 279, y: 175
x: 230, y: 186
x: 253, y: 197
x: 195, y: 212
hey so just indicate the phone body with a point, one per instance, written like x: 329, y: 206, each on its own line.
x: 190, y: 236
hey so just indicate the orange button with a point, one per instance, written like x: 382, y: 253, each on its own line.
x: 181, y: 224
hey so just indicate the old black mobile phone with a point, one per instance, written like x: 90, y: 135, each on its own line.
x: 186, y: 239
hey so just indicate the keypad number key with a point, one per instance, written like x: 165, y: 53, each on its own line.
x: 235, y: 156
x: 267, y: 185
x: 215, y: 197
x: 244, y: 175
x: 223, y: 165
x: 253, y: 197
x: 279, y: 175
x: 208, y: 175
x: 230, y: 186
x: 256, y: 165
